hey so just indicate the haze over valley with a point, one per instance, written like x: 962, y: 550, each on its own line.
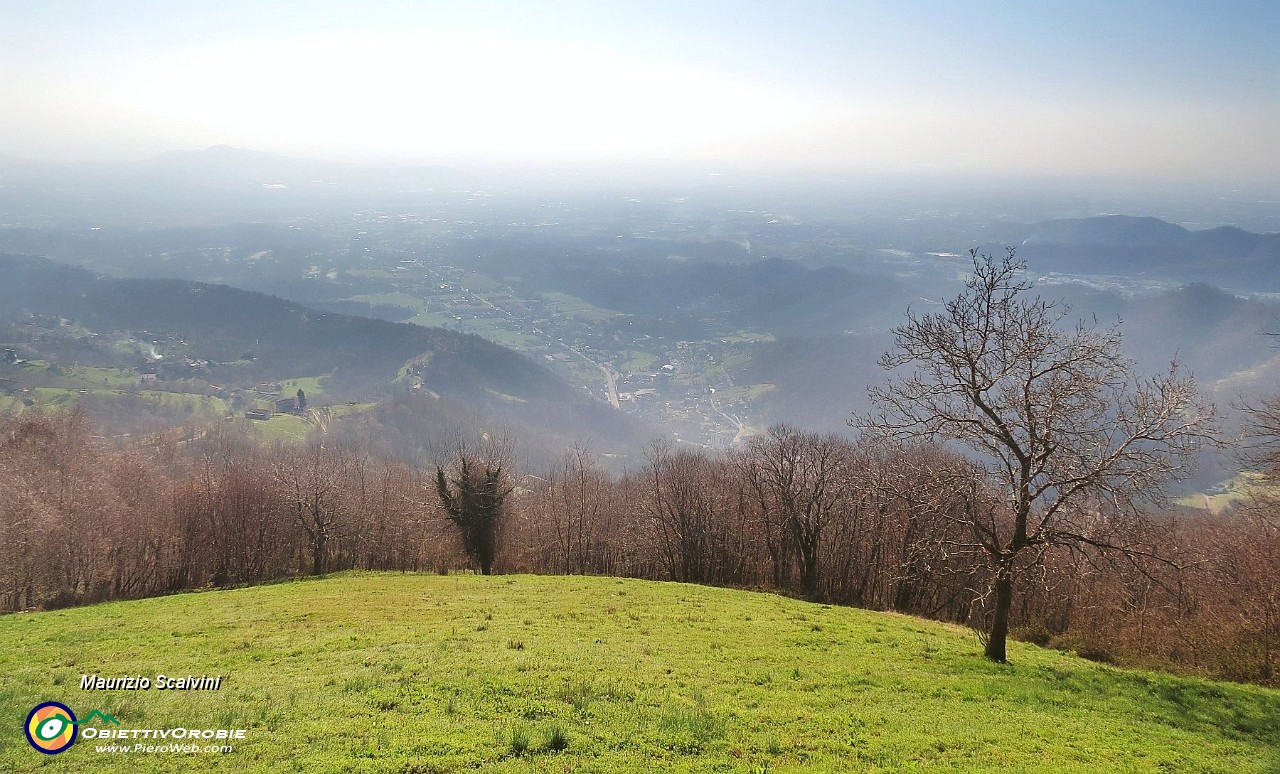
x: 706, y: 311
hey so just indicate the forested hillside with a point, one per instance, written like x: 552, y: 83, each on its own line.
x: 233, y: 339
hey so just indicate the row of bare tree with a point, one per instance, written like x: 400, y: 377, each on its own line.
x: 866, y: 523
x: 83, y: 520
x: 819, y: 516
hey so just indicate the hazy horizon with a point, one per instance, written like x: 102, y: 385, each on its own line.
x: 1145, y: 92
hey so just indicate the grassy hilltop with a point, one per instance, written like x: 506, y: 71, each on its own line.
x: 408, y: 673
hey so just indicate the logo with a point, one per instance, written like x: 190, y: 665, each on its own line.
x: 51, y: 727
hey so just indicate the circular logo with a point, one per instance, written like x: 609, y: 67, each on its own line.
x: 51, y: 727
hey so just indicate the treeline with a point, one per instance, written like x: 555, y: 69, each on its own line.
x: 83, y: 520
x: 879, y: 526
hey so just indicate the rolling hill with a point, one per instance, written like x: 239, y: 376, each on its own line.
x: 411, y: 673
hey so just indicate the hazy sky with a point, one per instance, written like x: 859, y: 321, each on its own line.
x: 1163, y: 90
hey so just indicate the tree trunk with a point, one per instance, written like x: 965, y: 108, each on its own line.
x: 809, y: 572
x: 319, y: 545
x: 484, y: 548
x: 999, y: 632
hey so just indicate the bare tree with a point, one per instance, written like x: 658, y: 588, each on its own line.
x: 1261, y: 449
x: 696, y: 516
x: 1070, y: 438
x: 799, y: 482
x: 310, y: 483
x: 577, y: 485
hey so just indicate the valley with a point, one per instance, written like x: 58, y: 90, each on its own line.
x: 692, y: 313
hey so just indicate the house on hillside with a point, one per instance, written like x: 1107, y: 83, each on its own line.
x: 258, y: 414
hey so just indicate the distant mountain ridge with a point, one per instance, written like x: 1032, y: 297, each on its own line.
x: 218, y: 184
x: 1145, y: 246
x: 227, y: 165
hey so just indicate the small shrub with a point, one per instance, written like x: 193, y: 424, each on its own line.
x: 518, y: 744
x: 1036, y: 634
x: 557, y: 738
x: 689, y: 730
x: 577, y: 695
x: 515, y: 644
x: 1086, y: 649
x: 1097, y: 653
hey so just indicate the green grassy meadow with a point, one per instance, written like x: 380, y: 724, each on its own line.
x: 427, y: 673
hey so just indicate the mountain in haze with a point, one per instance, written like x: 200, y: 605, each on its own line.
x: 215, y: 185
x: 1151, y: 248
x: 818, y: 380
x: 226, y: 166
x: 1218, y: 336
x: 775, y: 295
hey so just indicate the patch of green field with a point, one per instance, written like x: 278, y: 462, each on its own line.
x: 748, y: 336
x: 308, y: 384
x: 431, y: 319
x: 577, y: 307
x: 504, y: 396
x: 33, y: 366
x: 401, y: 673
x: 493, y: 331
x: 638, y: 361
x: 743, y: 392
x: 284, y: 427
x: 399, y: 298
x: 347, y: 409
x: 205, y: 404
x: 371, y: 273
x: 102, y: 377
x: 1239, y: 490
x: 52, y: 396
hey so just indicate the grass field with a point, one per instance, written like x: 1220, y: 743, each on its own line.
x: 494, y: 331
x: 104, y: 377
x: 577, y: 307
x: 308, y: 384
x: 431, y: 319
x: 1239, y: 491
x: 415, y: 673
x: 284, y: 427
